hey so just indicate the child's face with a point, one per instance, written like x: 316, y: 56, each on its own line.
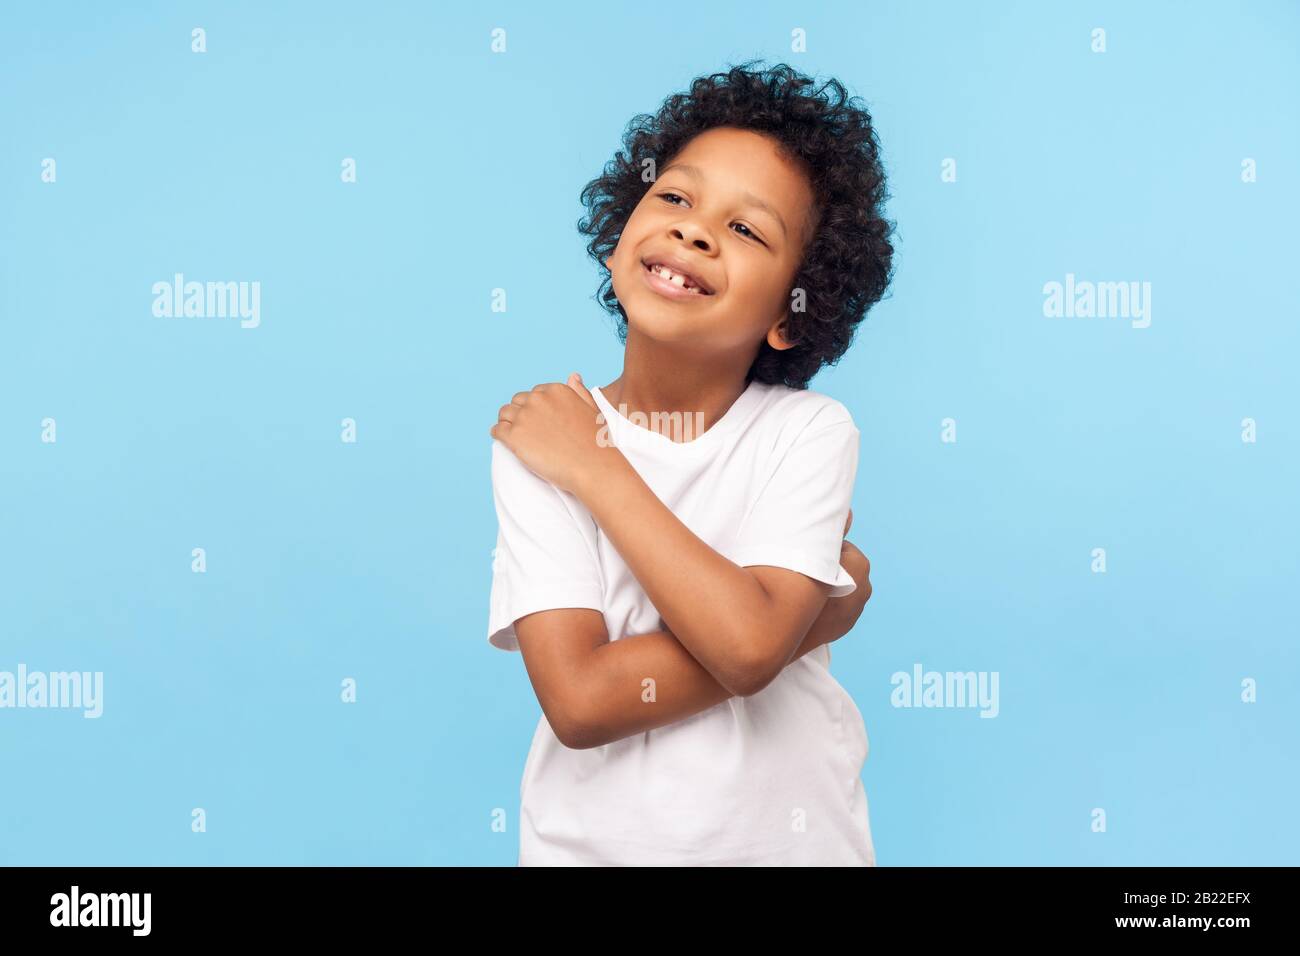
x: 746, y: 254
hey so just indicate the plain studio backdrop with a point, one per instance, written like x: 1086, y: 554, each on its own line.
x: 1159, y: 691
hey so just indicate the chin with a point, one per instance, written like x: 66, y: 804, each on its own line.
x: 659, y: 320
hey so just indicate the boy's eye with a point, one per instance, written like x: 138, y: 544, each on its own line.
x: 749, y: 233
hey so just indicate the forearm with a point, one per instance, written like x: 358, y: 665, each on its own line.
x: 644, y: 681
x: 716, y: 609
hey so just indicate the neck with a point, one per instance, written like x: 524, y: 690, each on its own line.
x: 659, y: 378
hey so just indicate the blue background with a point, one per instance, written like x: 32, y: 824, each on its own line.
x: 372, y: 560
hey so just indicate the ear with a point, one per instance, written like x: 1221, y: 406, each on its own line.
x: 776, y: 335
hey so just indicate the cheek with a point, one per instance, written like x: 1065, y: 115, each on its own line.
x: 627, y: 242
x: 767, y: 294
x: 760, y: 285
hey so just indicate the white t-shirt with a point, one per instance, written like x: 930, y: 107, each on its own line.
x: 770, y: 779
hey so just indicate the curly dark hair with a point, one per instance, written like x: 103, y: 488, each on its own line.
x: 847, y: 262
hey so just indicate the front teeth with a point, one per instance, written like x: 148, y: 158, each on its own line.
x: 674, y: 279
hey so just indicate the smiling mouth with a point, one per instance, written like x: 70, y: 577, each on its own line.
x: 672, y: 285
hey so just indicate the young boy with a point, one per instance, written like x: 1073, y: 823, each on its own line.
x: 673, y: 589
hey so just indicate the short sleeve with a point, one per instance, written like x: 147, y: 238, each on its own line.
x: 797, y: 520
x: 546, y: 555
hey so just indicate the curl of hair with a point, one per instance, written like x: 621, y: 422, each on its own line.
x: 848, y: 260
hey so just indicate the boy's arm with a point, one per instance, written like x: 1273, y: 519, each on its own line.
x: 742, y: 624
x: 595, y: 691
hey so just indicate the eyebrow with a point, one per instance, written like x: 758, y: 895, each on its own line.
x: 747, y: 196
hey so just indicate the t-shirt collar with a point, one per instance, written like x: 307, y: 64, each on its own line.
x: 625, y: 431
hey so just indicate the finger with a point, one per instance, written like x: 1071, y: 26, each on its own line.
x: 575, y: 382
x: 520, y: 397
x: 507, y: 413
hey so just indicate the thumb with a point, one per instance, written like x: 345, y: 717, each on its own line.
x: 575, y: 382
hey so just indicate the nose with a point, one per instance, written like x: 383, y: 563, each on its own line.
x: 694, y: 234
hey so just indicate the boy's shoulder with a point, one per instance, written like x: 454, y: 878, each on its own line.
x: 797, y: 410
